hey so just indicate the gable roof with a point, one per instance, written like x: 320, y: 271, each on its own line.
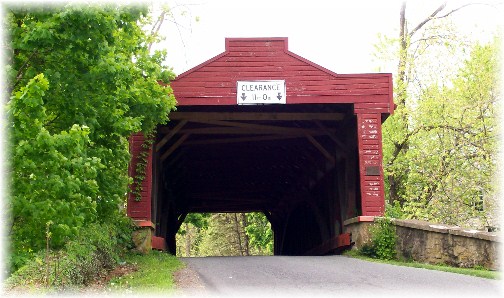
x: 246, y: 59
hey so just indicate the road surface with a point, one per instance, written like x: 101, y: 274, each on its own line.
x: 331, y: 276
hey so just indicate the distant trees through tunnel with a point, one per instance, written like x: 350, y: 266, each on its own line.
x: 225, y: 234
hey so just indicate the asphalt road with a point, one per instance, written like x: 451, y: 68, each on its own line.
x: 331, y: 276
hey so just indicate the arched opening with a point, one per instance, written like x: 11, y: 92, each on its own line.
x: 260, y: 158
x: 225, y: 234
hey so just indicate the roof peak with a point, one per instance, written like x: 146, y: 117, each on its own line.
x: 235, y: 41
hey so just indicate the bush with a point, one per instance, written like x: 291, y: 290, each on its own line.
x: 394, y: 210
x: 383, y: 240
x: 96, y: 250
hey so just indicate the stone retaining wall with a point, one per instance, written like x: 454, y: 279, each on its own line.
x: 435, y: 244
x: 359, y: 228
x: 430, y: 243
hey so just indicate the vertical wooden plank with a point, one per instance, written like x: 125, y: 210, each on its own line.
x: 155, y: 186
x: 140, y: 210
x: 391, y: 95
x: 370, y: 164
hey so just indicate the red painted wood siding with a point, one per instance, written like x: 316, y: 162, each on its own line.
x: 214, y: 81
x: 140, y: 210
x: 158, y: 243
x: 370, y: 154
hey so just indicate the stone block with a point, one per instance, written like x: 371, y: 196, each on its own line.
x: 359, y: 230
x: 433, y: 243
x: 142, y: 238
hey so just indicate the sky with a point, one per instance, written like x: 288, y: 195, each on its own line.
x: 338, y: 35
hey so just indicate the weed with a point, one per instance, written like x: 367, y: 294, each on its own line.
x: 97, y: 249
x: 383, y: 240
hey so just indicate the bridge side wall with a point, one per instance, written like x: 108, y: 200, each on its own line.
x: 370, y: 163
x: 428, y: 243
x: 434, y: 244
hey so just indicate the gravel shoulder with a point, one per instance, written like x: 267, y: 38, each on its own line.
x: 188, y: 281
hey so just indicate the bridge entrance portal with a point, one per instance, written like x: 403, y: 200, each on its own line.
x: 308, y: 163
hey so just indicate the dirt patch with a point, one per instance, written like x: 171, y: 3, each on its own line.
x: 100, y: 284
x: 121, y: 270
x: 188, y: 281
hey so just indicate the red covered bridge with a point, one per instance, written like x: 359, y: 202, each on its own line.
x: 259, y: 128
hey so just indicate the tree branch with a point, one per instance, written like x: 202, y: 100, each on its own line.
x: 438, y: 10
x: 19, y: 74
x: 419, y: 26
x: 403, y: 54
x: 457, y: 9
x: 400, y: 146
x: 50, y: 122
x: 156, y: 27
x: 402, y: 25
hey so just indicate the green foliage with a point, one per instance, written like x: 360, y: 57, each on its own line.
x: 82, y: 260
x: 383, y: 240
x: 54, y: 179
x: 225, y: 234
x: 394, y: 210
x: 197, y: 220
x: 82, y: 81
x: 222, y: 238
x: 453, y: 155
x: 191, y: 234
x: 141, y: 166
x: 439, y: 146
x: 259, y: 232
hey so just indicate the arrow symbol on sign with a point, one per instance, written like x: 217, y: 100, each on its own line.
x: 279, y: 96
x: 243, y: 96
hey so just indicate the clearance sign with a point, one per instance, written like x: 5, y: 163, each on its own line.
x: 260, y: 92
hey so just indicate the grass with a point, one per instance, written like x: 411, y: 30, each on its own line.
x: 478, y: 272
x: 154, y: 274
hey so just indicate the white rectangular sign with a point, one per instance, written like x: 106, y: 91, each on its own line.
x: 260, y: 92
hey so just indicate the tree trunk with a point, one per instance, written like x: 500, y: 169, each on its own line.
x: 395, y: 183
x: 403, y: 54
x: 238, y: 234
x: 188, y: 241
x: 401, y: 83
x: 245, y: 236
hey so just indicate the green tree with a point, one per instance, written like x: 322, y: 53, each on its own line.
x: 259, y: 232
x: 223, y: 236
x: 228, y: 234
x: 452, y: 156
x: 438, y: 146
x: 190, y: 234
x: 82, y: 81
x: 433, y: 38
